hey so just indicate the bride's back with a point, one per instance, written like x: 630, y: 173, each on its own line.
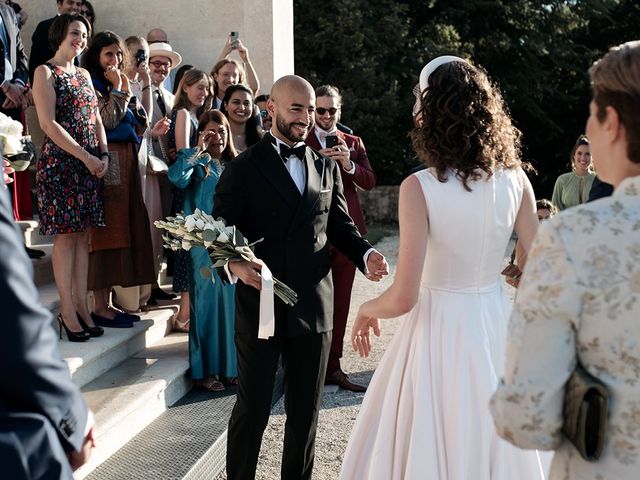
x: 468, y: 231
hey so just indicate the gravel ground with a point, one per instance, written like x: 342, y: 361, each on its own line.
x: 339, y: 408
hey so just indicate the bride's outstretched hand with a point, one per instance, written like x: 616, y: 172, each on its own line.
x: 360, y: 333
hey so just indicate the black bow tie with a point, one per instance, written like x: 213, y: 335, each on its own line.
x: 286, y: 151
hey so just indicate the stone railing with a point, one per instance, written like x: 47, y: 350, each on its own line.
x: 380, y: 205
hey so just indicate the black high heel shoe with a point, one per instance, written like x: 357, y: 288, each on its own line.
x: 92, y: 331
x: 71, y: 335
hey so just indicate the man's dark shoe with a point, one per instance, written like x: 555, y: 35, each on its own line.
x: 33, y: 253
x: 340, y: 378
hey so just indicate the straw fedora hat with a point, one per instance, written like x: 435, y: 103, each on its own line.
x: 162, y: 49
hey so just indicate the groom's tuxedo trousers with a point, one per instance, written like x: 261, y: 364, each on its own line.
x: 258, y: 196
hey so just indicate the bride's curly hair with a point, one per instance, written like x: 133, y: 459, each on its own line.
x: 465, y: 125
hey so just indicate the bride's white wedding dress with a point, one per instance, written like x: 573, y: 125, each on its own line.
x: 426, y: 412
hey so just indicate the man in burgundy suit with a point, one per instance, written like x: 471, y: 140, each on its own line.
x: 356, y: 172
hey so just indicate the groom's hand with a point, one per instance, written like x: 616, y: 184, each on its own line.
x: 248, y: 272
x: 376, y: 266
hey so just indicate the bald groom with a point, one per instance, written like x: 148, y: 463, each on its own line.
x: 292, y: 197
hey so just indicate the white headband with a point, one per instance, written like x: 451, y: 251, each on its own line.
x: 430, y: 67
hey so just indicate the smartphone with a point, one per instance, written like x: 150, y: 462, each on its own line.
x: 332, y: 141
x: 234, y: 38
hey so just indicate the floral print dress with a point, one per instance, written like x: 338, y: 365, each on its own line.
x: 69, y: 197
x: 579, y: 300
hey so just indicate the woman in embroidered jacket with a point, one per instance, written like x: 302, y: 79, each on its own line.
x: 212, y: 353
x: 579, y: 300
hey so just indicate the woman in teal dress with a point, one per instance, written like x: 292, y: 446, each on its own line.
x: 212, y: 352
x: 573, y: 188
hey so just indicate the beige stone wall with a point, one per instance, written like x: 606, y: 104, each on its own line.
x: 197, y: 29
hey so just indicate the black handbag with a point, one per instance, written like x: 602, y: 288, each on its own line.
x: 586, y: 402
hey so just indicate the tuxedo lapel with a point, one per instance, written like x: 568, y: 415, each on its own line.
x: 315, y: 168
x: 271, y: 166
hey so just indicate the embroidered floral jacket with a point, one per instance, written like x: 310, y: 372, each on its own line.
x: 579, y: 299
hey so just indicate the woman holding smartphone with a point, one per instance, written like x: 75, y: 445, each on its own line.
x: 140, y: 80
x: 227, y: 71
x: 120, y: 253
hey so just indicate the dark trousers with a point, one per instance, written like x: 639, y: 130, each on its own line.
x: 304, y: 359
x: 343, y: 272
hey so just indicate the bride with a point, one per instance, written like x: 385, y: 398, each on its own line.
x: 426, y: 414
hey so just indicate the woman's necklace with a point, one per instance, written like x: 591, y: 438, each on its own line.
x: 239, y: 141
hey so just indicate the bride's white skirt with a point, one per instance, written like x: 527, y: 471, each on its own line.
x: 426, y: 412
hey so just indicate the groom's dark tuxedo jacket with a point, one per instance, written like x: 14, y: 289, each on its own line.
x: 257, y: 195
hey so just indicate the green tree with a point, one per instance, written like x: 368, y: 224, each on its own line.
x: 537, y: 52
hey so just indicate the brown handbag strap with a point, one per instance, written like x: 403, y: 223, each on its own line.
x: 512, y: 261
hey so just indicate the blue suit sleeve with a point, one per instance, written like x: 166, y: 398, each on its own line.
x: 34, y: 377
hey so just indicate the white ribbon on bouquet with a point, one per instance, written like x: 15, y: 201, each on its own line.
x: 267, y: 321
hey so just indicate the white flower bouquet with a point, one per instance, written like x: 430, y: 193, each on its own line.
x: 223, y: 243
x: 17, y: 148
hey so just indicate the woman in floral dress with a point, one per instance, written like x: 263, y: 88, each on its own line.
x: 73, y: 160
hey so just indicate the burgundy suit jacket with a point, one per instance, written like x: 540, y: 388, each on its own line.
x: 363, y: 177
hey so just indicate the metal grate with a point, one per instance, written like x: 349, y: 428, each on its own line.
x: 188, y: 441
x: 170, y: 446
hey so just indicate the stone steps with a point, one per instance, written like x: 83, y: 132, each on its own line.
x: 89, y: 360
x: 128, y: 376
x: 132, y: 395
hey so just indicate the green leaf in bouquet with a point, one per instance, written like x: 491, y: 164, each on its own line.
x: 220, y: 263
x: 238, y: 238
x: 252, y: 244
x: 209, y: 235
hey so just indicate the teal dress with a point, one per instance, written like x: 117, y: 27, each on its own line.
x: 212, y: 349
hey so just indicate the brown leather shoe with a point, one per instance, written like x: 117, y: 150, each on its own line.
x: 342, y: 380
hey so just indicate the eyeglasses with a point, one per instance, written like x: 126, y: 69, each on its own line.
x: 158, y: 64
x: 264, y: 114
x: 321, y: 111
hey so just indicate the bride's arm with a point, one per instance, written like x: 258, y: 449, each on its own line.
x: 527, y: 223
x: 402, y: 295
